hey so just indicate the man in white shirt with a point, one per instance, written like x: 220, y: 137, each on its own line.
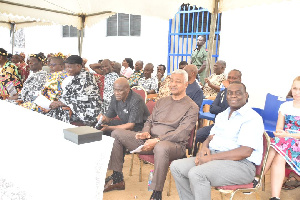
x: 147, y: 82
x: 229, y: 155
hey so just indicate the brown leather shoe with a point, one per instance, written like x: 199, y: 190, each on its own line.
x: 111, y: 186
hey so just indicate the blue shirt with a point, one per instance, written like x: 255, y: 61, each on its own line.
x: 243, y: 128
x: 195, y: 93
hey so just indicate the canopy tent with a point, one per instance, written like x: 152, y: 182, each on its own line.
x: 14, y: 23
x: 83, y: 13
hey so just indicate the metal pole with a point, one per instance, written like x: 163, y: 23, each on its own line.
x: 80, y: 34
x: 12, y: 30
x: 212, y: 36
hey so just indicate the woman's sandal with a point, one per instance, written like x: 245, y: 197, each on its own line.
x: 291, y: 183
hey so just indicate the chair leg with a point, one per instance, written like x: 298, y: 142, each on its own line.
x: 169, y: 189
x: 141, y: 166
x: 263, y: 183
x: 131, y: 165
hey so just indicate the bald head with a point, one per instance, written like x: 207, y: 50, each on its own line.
x: 121, y: 89
x: 192, y: 72
x: 122, y: 81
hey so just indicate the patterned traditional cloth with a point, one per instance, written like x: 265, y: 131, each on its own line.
x: 81, y: 95
x: 9, y: 73
x: 100, y: 82
x: 51, y: 90
x: 215, y: 80
x: 33, y: 85
x: 148, y: 84
x: 134, y: 78
x: 289, y: 147
x: 24, y: 70
x: 109, y: 80
x: 164, y: 89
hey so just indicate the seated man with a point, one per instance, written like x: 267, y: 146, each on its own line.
x: 219, y: 105
x: 229, y: 155
x: 10, y: 76
x: 214, y: 81
x: 35, y: 80
x: 147, y: 82
x: 165, y: 134
x: 51, y: 91
x: 161, y: 69
x: 109, y: 78
x: 128, y: 105
x: 80, y: 93
x: 164, y: 89
x: 137, y: 74
x: 193, y: 90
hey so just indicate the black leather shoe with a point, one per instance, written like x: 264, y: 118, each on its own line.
x: 274, y: 198
x: 109, y: 186
x: 156, y: 195
x: 108, y: 179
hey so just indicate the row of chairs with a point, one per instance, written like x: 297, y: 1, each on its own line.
x: 269, y: 113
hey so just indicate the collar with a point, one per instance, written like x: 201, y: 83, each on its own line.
x: 242, y: 111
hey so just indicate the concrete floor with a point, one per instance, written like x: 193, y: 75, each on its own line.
x: 138, y: 190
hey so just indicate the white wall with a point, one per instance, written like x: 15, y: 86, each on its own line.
x: 263, y: 42
x: 151, y: 46
x: 5, y: 39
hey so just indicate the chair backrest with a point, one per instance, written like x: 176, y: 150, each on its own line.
x: 270, y: 112
x: 260, y: 169
x: 191, y: 141
x: 141, y: 91
x: 205, y: 102
x: 150, y: 105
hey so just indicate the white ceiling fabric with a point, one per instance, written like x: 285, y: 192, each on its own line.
x: 20, y: 21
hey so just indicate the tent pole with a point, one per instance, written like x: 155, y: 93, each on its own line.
x: 12, y: 30
x: 211, y: 41
x: 80, y: 34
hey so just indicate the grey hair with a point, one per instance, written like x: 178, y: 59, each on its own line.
x: 183, y: 72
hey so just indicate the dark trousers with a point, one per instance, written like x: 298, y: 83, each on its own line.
x: 201, y: 136
x: 164, y: 152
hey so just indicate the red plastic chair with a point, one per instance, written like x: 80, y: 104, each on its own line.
x: 150, y: 159
x: 150, y: 105
x: 141, y: 91
x: 260, y: 170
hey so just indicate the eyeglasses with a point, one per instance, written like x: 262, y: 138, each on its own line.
x: 53, y: 65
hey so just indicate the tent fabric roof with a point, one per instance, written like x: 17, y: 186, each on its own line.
x: 68, y: 12
x: 20, y: 22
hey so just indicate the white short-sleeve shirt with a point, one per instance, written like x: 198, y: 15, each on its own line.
x: 287, y: 108
x: 244, y: 128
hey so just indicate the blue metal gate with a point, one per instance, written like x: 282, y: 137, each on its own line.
x: 189, y: 23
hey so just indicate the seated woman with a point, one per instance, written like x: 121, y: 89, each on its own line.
x: 51, y: 91
x: 212, y: 83
x: 286, y: 144
x: 10, y: 76
x: 34, y: 82
x: 24, y: 69
x: 127, y: 68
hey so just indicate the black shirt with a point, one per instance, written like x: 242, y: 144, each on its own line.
x: 133, y: 110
